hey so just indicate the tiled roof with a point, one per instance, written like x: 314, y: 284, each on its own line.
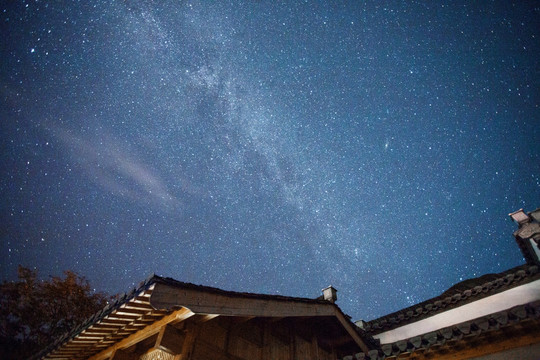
x: 476, y: 327
x: 128, y: 313
x: 369, y: 340
x: 228, y: 293
x: 134, y: 310
x: 460, y: 294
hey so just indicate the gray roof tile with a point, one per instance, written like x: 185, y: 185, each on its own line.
x: 460, y: 294
x: 473, y: 328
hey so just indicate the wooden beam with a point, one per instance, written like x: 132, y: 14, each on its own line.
x: 266, y: 354
x: 208, y: 317
x: 137, y: 305
x: 152, y: 329
x: 139, y: 310
x: 111, y: 322
x: 160, y: 336
x: 192, y: 332
x: 123, y: 317
x: 209, y: 302
x: 170, y: 339
x: 352, y: 332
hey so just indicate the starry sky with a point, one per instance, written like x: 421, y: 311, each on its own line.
x: 269, y: 147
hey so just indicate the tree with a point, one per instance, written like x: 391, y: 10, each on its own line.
x: 34, y: 313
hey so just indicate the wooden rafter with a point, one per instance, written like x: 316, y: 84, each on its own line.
x: 153, y: 329
x: 206, y: 302
x: 153, y: 320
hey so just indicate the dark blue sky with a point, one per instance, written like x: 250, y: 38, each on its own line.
x: 269, y: 147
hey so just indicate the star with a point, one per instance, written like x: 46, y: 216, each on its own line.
x: 239, y: 144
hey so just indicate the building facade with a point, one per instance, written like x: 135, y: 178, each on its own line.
x: 495, y: 316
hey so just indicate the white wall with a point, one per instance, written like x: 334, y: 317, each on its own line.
x: 505, y: 300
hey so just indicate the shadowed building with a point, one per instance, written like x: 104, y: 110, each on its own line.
x: 168, y: 319
x: 495, y: 316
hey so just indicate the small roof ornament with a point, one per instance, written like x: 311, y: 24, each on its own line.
x: 528, y: 235
x: 330, y: 294
x: 520, y: 217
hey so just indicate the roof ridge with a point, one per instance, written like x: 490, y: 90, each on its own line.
x: 506, y: 279
x: 174, y: 282
x: 439, y: 337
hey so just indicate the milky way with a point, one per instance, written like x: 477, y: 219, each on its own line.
x: 269, y: 147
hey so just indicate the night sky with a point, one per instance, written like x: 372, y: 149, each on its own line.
x: 269, y: 147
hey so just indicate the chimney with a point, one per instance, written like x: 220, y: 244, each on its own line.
x: 330, y: 294
x: 528, y: 234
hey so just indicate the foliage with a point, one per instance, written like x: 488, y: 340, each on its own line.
x: 34, y: 313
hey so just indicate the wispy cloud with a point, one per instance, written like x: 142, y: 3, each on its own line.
x: 117, y: 171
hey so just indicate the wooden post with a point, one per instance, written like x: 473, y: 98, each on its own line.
x: 292, y: 341
x: 314, y: 348
x: 189, y: 342
x: 266, y: 341
x: 228, y: 336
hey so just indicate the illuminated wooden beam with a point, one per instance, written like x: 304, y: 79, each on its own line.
x: 152, y: 329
